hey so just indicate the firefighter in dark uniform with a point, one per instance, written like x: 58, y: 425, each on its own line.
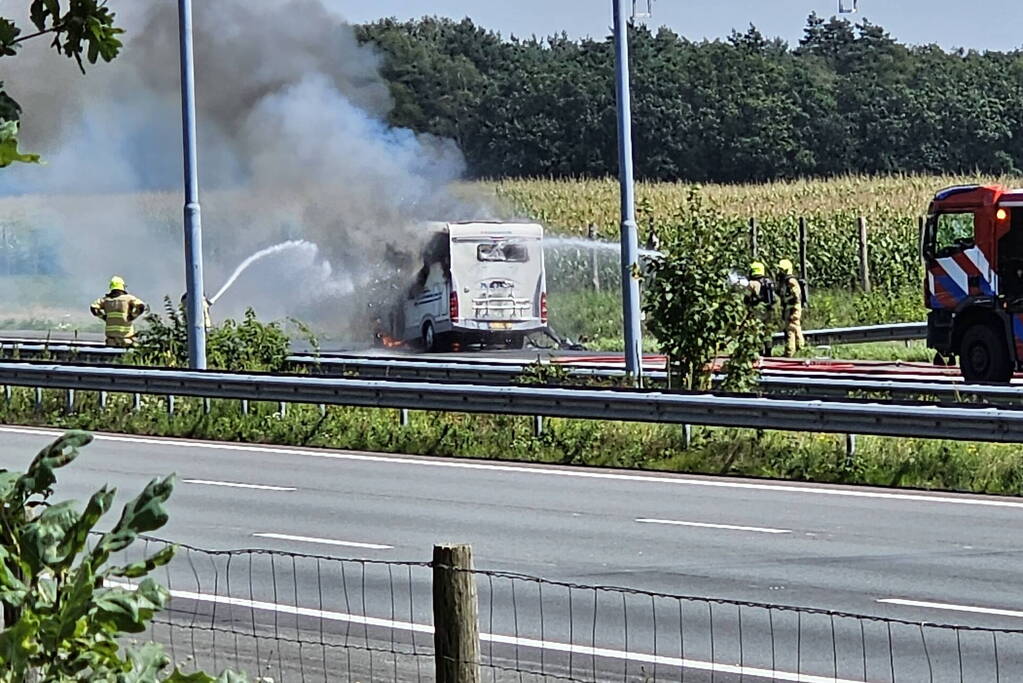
x: 792, y: 308
x: 760, y: 297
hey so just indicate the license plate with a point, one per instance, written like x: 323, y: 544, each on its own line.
x: 500, y: 326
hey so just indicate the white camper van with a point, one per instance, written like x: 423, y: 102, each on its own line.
x: 480, y: 283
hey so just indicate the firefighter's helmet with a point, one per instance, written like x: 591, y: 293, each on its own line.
x: 785, y: 266
x: 757, y: 269
x: 117, y: 282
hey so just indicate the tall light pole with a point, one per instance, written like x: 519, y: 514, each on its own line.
x: 630, y: 240
x: 193, y: 222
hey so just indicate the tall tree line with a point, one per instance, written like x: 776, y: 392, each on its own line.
x: 848, y: 98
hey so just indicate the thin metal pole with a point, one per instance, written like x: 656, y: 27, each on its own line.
x: 630, y: 240
x: 193, y: 221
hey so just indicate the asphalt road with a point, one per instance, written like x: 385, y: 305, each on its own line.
x: 905, y: 555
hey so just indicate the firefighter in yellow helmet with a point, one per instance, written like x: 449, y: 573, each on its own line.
x: 760, y: 297
x: 791, y: 307
x: 119, y: 310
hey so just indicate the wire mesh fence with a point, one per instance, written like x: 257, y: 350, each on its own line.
x: 293, y: 617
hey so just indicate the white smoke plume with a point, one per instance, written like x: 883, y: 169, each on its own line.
x: 293, y: 145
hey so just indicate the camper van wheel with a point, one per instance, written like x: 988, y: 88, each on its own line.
x: 433, y: 342
x: 429, y: 338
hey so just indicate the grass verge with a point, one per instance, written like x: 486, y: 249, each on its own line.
x: 913, y: 463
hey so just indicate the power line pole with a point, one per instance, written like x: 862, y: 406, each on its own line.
x: 630, y: 241
x: 193, y: 223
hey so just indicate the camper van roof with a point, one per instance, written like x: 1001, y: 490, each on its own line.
x: 488, y: 228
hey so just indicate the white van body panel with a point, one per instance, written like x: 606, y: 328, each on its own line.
x: 495, y: 272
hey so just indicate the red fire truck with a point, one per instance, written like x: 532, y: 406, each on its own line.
x: 973, y: 252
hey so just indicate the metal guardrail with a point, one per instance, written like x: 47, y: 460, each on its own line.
x: 817, y: 383
x: 956, y: 421
x: 837, y: 335
x: 864, y: 334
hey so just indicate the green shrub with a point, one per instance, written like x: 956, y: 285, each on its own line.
x: 247, y: 345
x: 65, y: 605
x: 695, y: 309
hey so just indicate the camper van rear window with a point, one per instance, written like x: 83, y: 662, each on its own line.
x: 514, y: 252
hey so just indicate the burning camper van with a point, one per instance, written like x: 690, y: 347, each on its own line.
x: 479, y: 283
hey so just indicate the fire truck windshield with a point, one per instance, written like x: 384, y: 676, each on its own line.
x: 948, y: 233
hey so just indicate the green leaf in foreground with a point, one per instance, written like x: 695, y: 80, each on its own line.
x: 9, y: 146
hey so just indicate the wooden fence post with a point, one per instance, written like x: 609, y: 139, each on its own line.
x: 802, y: 248
x: 864, y: 254
x: 754, y: 238
x: 591, y: 234
x: 456, y: 637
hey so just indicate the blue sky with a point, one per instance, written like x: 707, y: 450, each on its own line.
x: 983, y: 24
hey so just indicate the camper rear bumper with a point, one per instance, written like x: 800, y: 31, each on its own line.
x: 499, y: 326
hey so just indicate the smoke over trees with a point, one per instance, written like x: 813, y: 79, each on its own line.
x: 294, y: 144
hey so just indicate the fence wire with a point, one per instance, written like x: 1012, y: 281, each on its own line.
x: 294, y: 617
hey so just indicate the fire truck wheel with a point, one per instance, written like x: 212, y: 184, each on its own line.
x: 983, y: 356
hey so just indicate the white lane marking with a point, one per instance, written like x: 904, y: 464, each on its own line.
x: 953, y: 608
x: 706, y: 525
x: 324, y: 541
x: 238, y: 485
x: 585, y: 650
x: 424, y: 461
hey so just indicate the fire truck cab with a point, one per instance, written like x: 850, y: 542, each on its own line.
x: 973, y: 253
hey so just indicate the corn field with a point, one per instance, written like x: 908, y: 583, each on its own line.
x: 892, y: 207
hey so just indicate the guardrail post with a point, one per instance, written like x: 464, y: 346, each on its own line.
x: 69, y: 405
x: 754, y: 244
x: 136, y: 402
x: 850, y: 449
x: 102, y: 400
x: 245, y: 406
x: 403, y: 417
x: 537, y: 426
x: 802, y: 248
x: 456, y: 637
x: 170, y: 404
x: 323, y: 410
x: 7, y: 393
x: 207, y: 406
x: 591, y: 234
x: 39, y: 399
x: 864, y: 255
x: 687, y: 436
